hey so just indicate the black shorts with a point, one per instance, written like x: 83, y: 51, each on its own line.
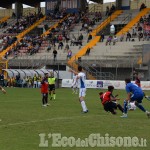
x: 110, y: 106
x: 51, y: 87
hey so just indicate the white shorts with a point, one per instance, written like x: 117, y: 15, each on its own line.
x: 82, y: 92
x: 35, y: 82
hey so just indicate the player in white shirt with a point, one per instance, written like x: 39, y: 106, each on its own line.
x: 74, y: 85
x: 82, y: 88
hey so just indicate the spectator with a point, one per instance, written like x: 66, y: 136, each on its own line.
x: 109, y: 39
x: 69, y: 55
x: 89, y: 38
x: 107, y: 11
x: 140, y: 36
x: 115, y: 40
x: 102, y: 37
x: 143, y: 6
x: 121, y: 37
x: 88, y: 51
x: 55, y: 55
x: 60, y: 45
x: 128, y: 36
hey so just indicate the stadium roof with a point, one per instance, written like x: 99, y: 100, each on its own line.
x: 8, y: 3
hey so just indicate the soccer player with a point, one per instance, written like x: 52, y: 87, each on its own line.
x: 109, y: 101
x: 75, y: 84
x: 134, y: 93
x: 44, y: 90
x: 82, y: 90
x: 138, y: 83
x: 51, y: 82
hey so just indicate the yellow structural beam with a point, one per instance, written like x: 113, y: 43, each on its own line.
x: 21, y: 35
x: 81, y: 53
x: 4, y: 19
x: 54, y: 26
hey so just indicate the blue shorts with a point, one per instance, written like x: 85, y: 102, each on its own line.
x: 137, y: 97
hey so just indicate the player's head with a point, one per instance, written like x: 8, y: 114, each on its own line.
x: 135, y: 75
x: 79, y: 68
x: 110, y: 88
x: 46, y: 75
x: 51, y: 74
x: 127, y: 80
x: 100, y: 93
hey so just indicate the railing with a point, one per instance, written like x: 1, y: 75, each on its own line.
x: 96, y: 73
x: 96, y: 8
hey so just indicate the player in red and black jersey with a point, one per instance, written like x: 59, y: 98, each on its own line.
x: 44, y: 90
x: 109, y: 101
x: 137, y: 80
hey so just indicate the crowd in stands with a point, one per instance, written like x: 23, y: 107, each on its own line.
x: 9, y: 36
x: 23, y: 23
x: 58, y: 38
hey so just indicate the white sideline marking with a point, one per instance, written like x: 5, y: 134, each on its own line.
x: 50, y: 119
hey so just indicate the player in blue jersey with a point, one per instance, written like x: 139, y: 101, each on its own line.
x: 82, y: 88
x: 134, y: 93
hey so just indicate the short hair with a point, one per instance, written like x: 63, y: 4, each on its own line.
x: 46, y: 74
x: 79, y: 68
x: 110, y: 88
x: 128, y: 80
x: 100, y: 93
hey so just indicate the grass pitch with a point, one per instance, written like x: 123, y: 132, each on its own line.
x: 24, y: 118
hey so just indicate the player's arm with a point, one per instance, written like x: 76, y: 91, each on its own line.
x: 128, y: 96
x: 1, y: 88
x: 70, y: 70
x: 112, y: 98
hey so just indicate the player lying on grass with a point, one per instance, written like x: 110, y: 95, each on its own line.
x: 109, y: 101
x: 134, y: 93
x: 1, y: 88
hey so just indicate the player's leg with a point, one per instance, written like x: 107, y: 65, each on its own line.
x: 120, y: 108
x: 125, y: 109
x: 46, y: 99
x: 138, y: 103
x: 81, y: 97
x: 43, y: 99
x: 50, y: 92
x: 54, y: 93
x: 73, y: 89
x: 111, y: 107
x: 76, y: 89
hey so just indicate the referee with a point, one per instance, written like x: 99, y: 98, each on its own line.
x: 51, y: 82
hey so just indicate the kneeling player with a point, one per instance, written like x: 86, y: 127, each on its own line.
x: 109, y: 101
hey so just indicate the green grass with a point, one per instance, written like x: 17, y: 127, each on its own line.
x: 23, y: 119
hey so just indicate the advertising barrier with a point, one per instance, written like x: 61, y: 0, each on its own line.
x: 103, y: 84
